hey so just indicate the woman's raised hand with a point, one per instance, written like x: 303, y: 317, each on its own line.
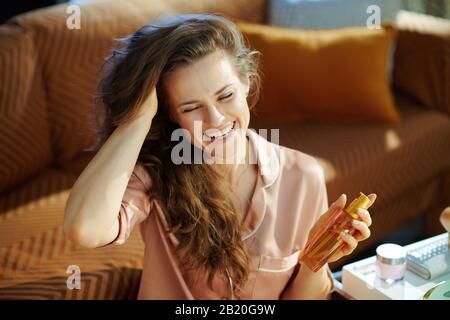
x: 149, y: 107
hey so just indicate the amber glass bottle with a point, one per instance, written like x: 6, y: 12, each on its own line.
x: 326, y: 240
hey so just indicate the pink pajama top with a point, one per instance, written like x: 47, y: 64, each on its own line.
x: 289, y: 197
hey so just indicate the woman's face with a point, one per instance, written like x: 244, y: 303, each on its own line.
x: 209, y: 100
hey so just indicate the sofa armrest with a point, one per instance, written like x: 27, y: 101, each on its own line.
x: 422, y: 59
x: 25, y: 147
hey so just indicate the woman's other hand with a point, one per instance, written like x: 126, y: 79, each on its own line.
x: 360, y: 227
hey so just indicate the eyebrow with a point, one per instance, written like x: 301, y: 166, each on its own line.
x: 194, y: 101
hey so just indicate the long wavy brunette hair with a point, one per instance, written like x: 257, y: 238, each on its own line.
x: 197, y: 205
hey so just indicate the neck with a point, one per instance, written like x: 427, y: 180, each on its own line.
x: 233, y: 172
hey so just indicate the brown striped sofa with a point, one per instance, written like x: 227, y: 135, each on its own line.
x: 48, y: 76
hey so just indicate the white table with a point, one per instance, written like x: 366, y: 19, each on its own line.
x: 359, y: 280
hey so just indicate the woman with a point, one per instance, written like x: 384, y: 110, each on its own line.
x: 214, y: 230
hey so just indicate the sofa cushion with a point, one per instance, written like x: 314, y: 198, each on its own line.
x: 422, y: 59
x: 24, y: 130
x: 35, y: 254
x: 71, y: 58
x: 323, y: 74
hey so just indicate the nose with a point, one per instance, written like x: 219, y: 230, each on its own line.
x: 215, y: 117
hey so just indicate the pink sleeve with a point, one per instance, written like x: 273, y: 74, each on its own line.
x: 136, y: 204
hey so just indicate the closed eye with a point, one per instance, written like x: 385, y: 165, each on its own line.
x: 221, y: 98
x: 191, y: 109
x: 227, y: 96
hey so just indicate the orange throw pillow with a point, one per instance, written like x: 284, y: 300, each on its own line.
x: 338, y: 74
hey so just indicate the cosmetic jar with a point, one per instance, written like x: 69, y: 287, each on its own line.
x: 391, y: 262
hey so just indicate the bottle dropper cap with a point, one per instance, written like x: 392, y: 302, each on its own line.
x: 362, y: 202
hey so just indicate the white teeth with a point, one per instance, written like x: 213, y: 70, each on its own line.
x: 215, y: 133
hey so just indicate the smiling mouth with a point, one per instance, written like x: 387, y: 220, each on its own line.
x: 220, y: 135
